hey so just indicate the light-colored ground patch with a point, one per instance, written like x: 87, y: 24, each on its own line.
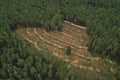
x: 71, y: 35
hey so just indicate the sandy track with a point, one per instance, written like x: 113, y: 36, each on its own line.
x: 75, y: 25
x: 34, y: 43
x: 48, y: 42
x: 69, y: 43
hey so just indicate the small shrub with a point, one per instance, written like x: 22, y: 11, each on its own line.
x: 68, y: 51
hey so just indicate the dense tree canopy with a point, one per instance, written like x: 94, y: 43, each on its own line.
x: 17, y: 61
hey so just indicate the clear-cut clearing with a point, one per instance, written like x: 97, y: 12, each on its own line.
x: 57, y: 42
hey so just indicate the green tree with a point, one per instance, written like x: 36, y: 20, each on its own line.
x: 68, y: 51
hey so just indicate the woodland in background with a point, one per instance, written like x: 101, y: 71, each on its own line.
x: 17, y: 61
x: 101, y: 17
